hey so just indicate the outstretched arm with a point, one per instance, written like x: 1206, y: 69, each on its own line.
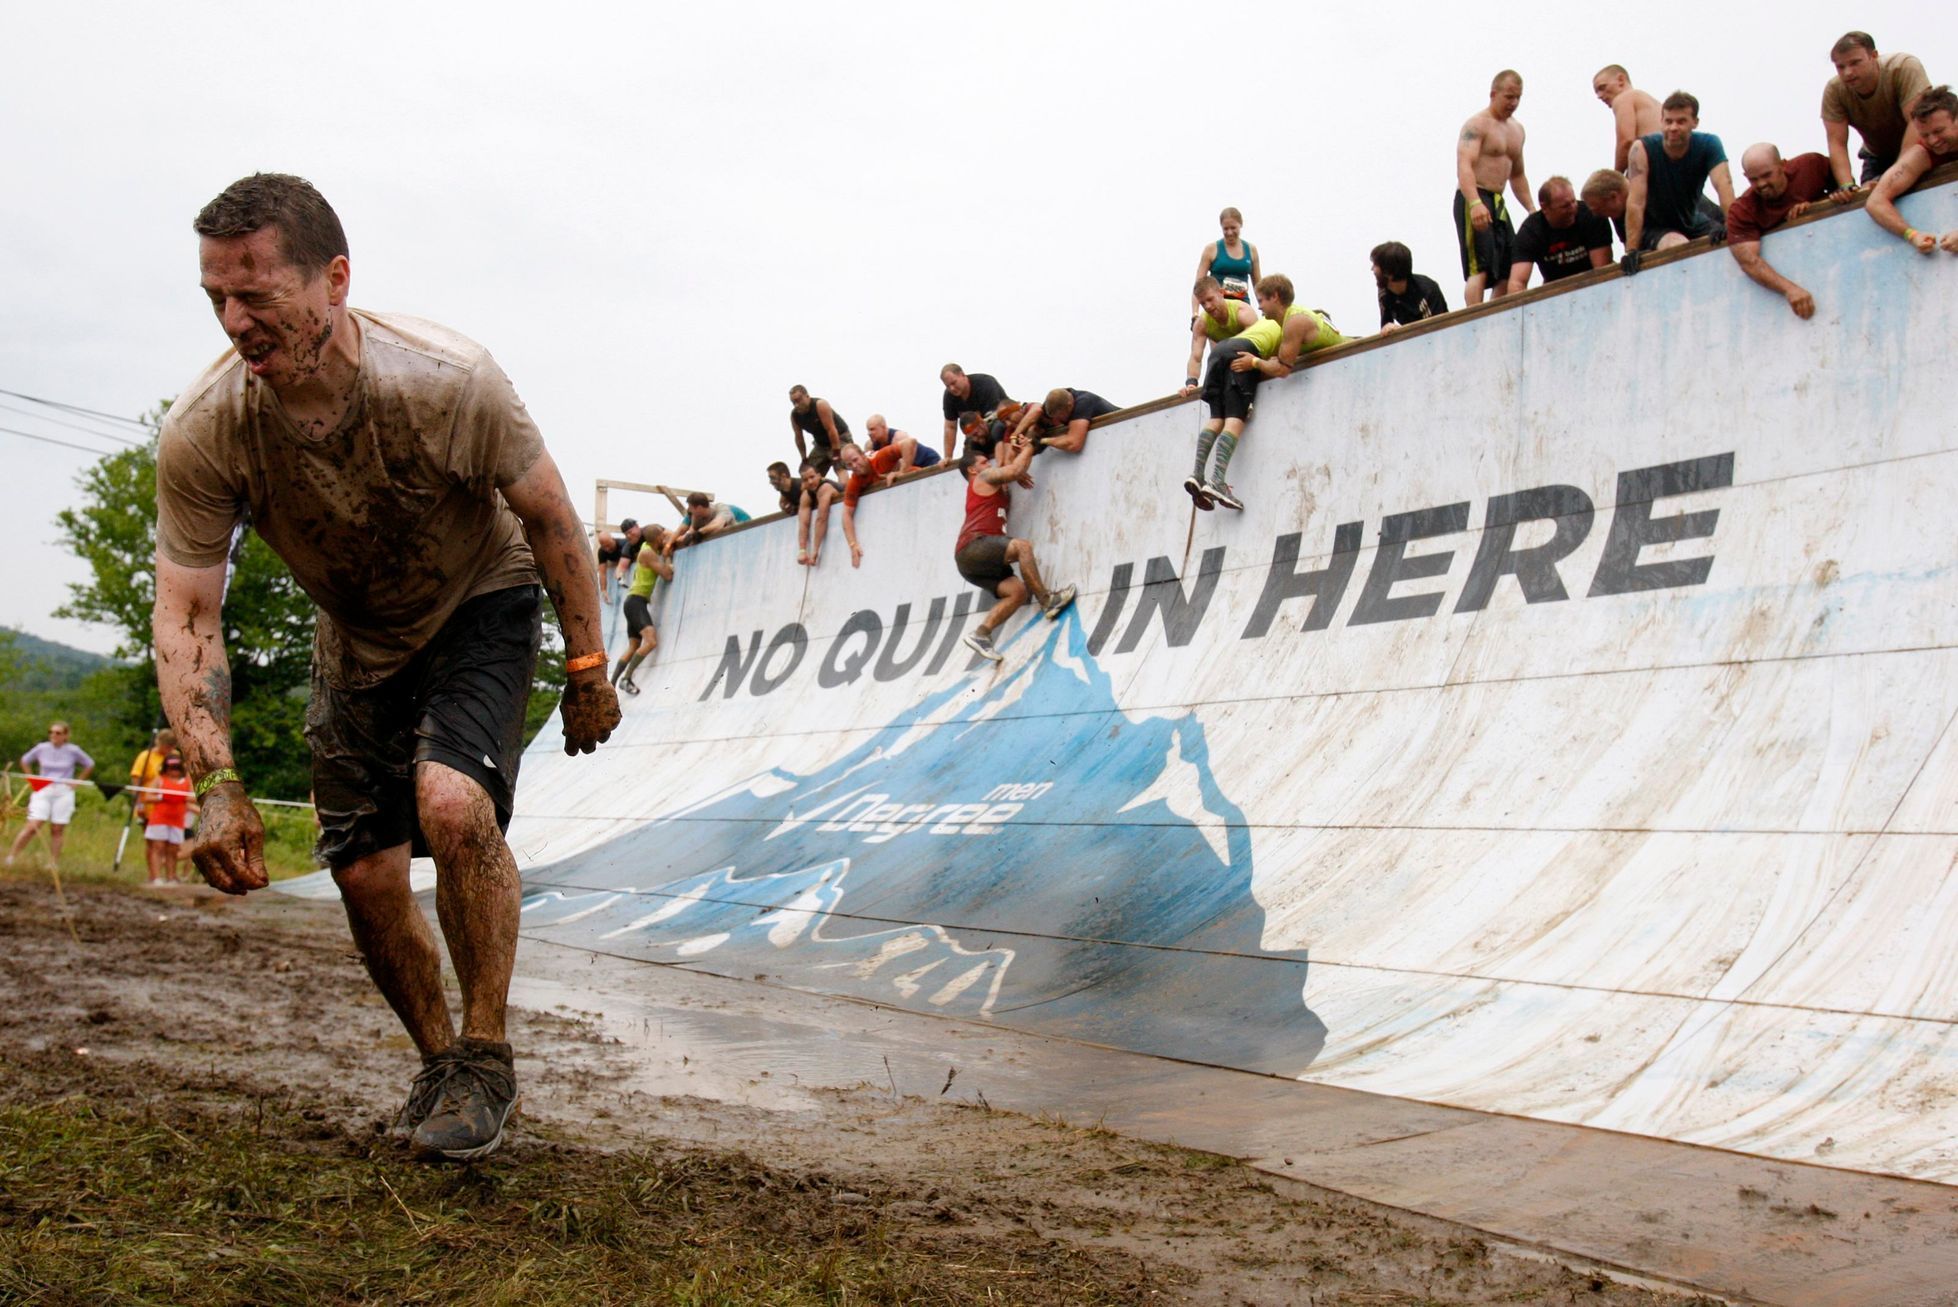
x: 1193, y: 364
x: 1882, y: 208
x: 1748, y: 255
x: 194, y: 677
x: 590, y: 708
x: 1839, y: 166
x: 1723, y: 185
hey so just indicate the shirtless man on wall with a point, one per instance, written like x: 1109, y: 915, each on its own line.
x: 1635, y: 113
x: 1489, y: 155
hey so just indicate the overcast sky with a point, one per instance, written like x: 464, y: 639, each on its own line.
x: 659, y: 218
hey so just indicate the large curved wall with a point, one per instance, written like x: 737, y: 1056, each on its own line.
x: 1564, y: 729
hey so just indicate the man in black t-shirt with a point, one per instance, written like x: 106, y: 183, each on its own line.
x: 814, y: 418
x: 1061, y: 420
x: 1406, y: 297
x: 965, y: 392
x: 1562, y: 238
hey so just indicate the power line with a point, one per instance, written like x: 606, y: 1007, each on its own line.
x: 76, y: 408
x: 72, y: 426
x: 50, y: 440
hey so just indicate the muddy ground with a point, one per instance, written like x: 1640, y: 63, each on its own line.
x: 200, y: 1006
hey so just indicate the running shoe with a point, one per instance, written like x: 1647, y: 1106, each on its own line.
x: 981, y: 643
x: 1221, y: 492
x: 472, y: 1101
x: 1057, y: 602
x: 421, y: 1095
x: 629, y: 685
x: 1199, y: 493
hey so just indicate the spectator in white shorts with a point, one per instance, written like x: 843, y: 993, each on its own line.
x: 169, y: 810
x: 64, y: 765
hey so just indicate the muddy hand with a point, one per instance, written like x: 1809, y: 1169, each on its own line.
x: 230, y: 850
x: 590, y: 710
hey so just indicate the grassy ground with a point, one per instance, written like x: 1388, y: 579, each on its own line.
x: 241, y: 1200
x: 89, y: 850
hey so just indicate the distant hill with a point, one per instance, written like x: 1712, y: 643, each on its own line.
x: 48, y: 664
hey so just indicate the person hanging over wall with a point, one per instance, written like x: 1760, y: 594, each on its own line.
x: 788, y: 488
x: 1489, y: 156
x: 887, y: 466
x: 1218, y: 318
x: 1232, y: 262
x: 1562, y: 238
x: 1634, y: 113
x: 653, y: 565
x: 1874, y: 94
x: 1777, y: 191
x: 968, y: 392
x: 706, y: 517
x: 1061, y: 420
x: 1664, y: 180
x: 615, y: 555
x: 986, y: 555
x: 1406, y: 297
x: 1936, y: 117
x: 881, y: 434
x: 814, y: 495
x: 823, y: 426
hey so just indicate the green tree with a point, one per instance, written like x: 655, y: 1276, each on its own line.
x: 268, y: 620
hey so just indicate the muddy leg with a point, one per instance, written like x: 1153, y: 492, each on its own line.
x: 477, y: 894
x: 396, y: 944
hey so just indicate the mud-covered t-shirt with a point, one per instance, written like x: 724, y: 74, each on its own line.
x: 388, y: 523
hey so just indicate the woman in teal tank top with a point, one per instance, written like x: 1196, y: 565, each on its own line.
x: 1233, y: 261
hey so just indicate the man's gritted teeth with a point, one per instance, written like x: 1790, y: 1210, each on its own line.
x: 256, y: 353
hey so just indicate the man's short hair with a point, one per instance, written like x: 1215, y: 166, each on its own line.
x: 1277, y: 284
x: 1506, y: 75
x: 1852, y: 41
x: 798, y: 389
x: 1681, y: 100
x: 627, y: 524
x: 1229, y: 214
x: 1603, y: 182
x: 1394, y: 259
x: 1612, y: 70
x: 1204, y: 283
x: 810, y: 465
x: 1543, y: 191
x: 778, y: 466
x: 698, y: 499
x: 1937, y: 99
x: 310, y: 235
x: 1056, y: 398
x: 952, y: 368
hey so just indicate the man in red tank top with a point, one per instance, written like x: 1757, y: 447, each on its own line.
x: 986, y: 555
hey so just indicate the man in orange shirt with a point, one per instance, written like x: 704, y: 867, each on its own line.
x: 866, y: 470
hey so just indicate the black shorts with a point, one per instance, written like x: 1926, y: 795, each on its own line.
x: 460, y: 701
x: 1491, y: 250
x: 1874, y: 166
x: 823, y: 457
x: 638, y: 616
x: 1229, y: 394
x: 983, y: 562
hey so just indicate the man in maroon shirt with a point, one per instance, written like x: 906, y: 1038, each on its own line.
x: 1777, y: 189
x: 986, y: 555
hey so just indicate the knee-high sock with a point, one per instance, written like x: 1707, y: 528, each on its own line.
x: 1226, y: 446
x: 618, y: 669
x: 633, y: 666
x: 1205, y: 439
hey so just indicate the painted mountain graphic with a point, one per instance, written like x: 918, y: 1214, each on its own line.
x: 1025, y: 852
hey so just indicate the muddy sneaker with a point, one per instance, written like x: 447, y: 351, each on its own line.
x: 629, y: 686
x: 421, y: 1096
x: 981, y: 643
x: 1199, y: 494
x: 1222, y: 494
x: 1057, y: 602
x: 472, y: 1099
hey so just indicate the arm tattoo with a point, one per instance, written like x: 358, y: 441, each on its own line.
x: 1470, y: 134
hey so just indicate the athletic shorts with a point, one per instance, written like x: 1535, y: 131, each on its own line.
x: 460, y: 701
x: 1874, y: 166
x: 638, y: 616
x: 1490, y: 250
x: 823, y: 457
x: 1229, y: 394
x: 164, y: 834
x: 983, y: 562
x: 54, y: 804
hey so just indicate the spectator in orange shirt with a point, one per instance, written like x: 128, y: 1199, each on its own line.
x: 163, y: 836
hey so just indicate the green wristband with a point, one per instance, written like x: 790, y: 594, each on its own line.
x: 209, y: 782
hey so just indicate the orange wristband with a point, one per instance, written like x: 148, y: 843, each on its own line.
x: 584, y: 662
